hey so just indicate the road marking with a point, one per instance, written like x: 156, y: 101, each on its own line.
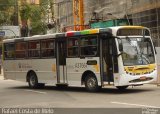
x: 36, y: 91
x: 135, y: 104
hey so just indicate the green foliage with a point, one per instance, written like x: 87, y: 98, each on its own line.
x: 44, y: 2
x: 37, y: 20
x: 7, y: 10
x: 38, y: 28
x: 25, y: 12
x: 6, y: 4
x: 2, y: 17
x: 35, y: 14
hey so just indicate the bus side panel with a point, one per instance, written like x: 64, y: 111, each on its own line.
x: 76, y: 67
x: 22, y: 67
x: 9, y: 69
x: 45, y: 69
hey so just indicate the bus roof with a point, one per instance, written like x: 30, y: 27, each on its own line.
x: 128, y: 27
x: 108, y: 30
x: 129, y: 31
x: 87, y: 32
x: 36, y: 37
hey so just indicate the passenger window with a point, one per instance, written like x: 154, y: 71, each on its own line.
x: 72, y: 46
x: 88, y: 45
x: 48, y: 48
x: 21, y: 50
x: 34, y: 49
x: 9, y: 52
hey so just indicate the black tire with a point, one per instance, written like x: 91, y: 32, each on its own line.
x: 41, y: 85
x: 33, y: 80
x: 91, y: 83
x: 122, y: 88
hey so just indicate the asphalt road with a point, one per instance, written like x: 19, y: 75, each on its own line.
x: 15, y: 94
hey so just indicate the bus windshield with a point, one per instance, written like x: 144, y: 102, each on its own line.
x: 137, y: 51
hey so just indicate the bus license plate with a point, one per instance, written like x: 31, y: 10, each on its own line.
x: 143, y: 78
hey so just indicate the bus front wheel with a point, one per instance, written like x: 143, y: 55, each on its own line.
x: 91, y: 83
x: 33, y: 81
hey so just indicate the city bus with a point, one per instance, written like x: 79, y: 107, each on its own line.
x: 94, y: 58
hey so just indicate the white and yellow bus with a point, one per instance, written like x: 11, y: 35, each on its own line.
x: 120, y: 56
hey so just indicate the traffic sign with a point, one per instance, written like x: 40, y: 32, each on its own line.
x: 2, y: 33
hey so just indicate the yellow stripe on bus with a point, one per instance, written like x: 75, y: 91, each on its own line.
x: 133, y: 27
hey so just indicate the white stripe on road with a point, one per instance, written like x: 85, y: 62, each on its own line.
x: 36, y: 91
x: 121, y: 103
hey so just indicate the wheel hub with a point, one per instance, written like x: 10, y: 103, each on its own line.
x: 32, y: 80
x: 91, y: 83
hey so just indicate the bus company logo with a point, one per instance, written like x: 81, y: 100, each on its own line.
x: 24, y: 65
x: 149, y: 111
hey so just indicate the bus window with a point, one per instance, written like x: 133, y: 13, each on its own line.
x: 72, y: 46
x: 21, y: 50
x: 88, y: 46
x: 48, y: 48
x: 34, y: 49
x: 9, y: 51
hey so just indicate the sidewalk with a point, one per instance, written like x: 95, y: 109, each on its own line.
x: 1, y: 77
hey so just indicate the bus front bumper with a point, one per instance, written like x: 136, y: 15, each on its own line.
x: 128, y: 80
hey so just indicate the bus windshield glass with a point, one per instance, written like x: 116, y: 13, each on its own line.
x: 137, y: 51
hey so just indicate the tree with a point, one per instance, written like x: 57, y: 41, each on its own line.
x: 8, y: 12
x: 37, y: 17
x: 48, y: 6
x: 25, y: 12
x: 32, y: 17
x: 25, y: 15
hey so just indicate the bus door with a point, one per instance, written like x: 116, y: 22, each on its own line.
x: 107, y: 59
x: 61, y: 61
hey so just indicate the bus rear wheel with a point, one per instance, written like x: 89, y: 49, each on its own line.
x: 122, y: 88
x: 33, y: 80
x: 91, y: 83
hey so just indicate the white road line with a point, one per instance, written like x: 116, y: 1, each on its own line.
x: 36, y: 91
x: 121, y: 103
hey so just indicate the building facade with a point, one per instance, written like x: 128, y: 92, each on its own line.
x: 63, y: 14
x: 142, y: 12
x: 104, y: 9
x: 147, y: 13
